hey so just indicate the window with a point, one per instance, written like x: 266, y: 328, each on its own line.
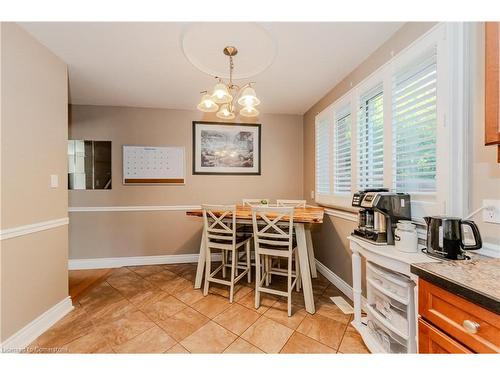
x: 322, y: 156
x: 390, y: 131
x: 371, y: 139
x: 342, y: 150
x: 414, y: 122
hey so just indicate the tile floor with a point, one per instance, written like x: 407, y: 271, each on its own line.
x: 154, y: 309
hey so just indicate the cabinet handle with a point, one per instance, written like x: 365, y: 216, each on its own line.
x: 471, y: 326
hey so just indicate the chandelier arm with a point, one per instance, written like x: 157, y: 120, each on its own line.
x: 240, y: 89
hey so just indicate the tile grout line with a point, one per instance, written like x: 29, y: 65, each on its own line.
x: 169, y: 294
x: 342, y: 339
x: 178, y: 273
x: 136, y: 307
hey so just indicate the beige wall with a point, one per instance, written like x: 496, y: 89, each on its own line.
x: 114, y: 234
x: 485, y: 171
x: 331, y: 246
x: 33, y: 146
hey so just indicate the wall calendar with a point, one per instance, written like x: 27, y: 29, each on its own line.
x: 153, y: 165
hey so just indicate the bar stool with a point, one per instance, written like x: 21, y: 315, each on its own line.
x: 219, y: 224
x: 301, y: 203
x: 274, y: 241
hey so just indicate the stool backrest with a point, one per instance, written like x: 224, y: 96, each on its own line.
x: 219, y: 224
x: 273, y: 227
x: 297, y: 203
x: 253, y: 202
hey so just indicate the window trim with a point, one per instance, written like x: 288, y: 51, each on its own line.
x: 446, y: 37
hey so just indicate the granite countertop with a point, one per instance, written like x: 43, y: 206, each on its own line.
x: 477, y: 279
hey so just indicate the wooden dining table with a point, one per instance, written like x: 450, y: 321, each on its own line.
x: 303, y: 218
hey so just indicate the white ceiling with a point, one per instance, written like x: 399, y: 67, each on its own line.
x: 143, y: 64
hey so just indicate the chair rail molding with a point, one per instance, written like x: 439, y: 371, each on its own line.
x: 350, y: 216
x: 346, y: 215
x: 23, y: 230
x: 135, y: 208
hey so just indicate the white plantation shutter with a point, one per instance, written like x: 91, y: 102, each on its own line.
x: 342, y: 151
x: 322, y: 156
x: 370, y: 139
x: 414, y: 120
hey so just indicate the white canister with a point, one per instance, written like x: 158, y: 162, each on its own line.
x: 405, y: 237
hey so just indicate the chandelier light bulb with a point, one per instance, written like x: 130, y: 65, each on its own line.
x: 248, y: 98
x: 224, y: 113
x: 207, y: 104
x: 249, y: 111
x: 221, y: 94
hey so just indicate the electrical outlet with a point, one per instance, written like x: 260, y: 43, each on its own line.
x: 312, y: 194
x: 491, y: 215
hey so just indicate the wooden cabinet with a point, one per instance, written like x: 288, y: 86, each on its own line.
x: 431, y: 340
x: 492, y: 59
x: 452, y: 323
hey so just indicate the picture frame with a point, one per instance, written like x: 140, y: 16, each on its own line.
x: 226, y: 148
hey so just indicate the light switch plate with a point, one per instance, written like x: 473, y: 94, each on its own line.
x: 312, y: 194
x: 491, y: 215
x: 54, y: 181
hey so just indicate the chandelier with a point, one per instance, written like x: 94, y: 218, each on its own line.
x: 224, y: 97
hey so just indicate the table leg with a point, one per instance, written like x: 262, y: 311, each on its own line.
x: 201, y: 263
x: 304, y: 267
x: 356, y: 287
x: 310, y: 252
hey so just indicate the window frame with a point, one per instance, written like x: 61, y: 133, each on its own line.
x: 422, y: 203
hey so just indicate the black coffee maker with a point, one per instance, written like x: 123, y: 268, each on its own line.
x: 379, y: 212
x: 445, y: 237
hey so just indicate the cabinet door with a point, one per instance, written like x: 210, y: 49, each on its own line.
x: 492, y: 58
x: 433, y: 341
x: 454, y: 316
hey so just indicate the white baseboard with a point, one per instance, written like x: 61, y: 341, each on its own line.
x: 338, y: 282
x: 334, y: 279
x: 22, y: 338
x: 96, y: 263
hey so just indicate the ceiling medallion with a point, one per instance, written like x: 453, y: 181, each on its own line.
x: 225, y: 96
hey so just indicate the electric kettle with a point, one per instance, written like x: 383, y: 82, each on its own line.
x: 445, y: 237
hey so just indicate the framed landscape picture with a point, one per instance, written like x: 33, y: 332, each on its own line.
x: 221, y: 148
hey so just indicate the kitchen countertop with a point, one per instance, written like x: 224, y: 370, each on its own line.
x: 477, y: 279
